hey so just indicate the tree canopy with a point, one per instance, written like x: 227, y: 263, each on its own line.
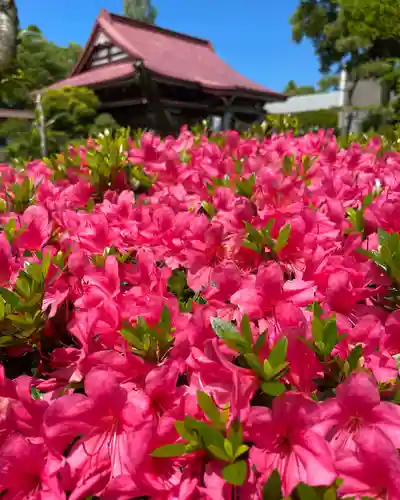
x: 38, y: 63
x: 325, y: 84
x: 69, y: 115
x: 141, y: 10
x: 293, y: 89
x: 362, y: 35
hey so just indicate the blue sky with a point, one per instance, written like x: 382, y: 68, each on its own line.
x: 254, y: 38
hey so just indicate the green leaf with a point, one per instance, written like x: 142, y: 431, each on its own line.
x: 245, y: 187
x: 185, y: 433
x: 317, y: 329
x: 254, y: 363
x: 218, y: 453
x: 237, y: 342
x: 22, y: 286
x: 46, y: 261
x: 222, y: 327
x: 287, y: 166
x: 36, y: 394
x: 259, y: 343
x: 228, y: 449
x: 306, y: 492
x: 227, y: 332
x: 330, y: 494
x: 235, y: 434
x: 245, y: 329
x: 367, y: 200
x: 282, y: 238
x: 209, y: 435
x: 209, y: 408
x: 170, y: 451
x: 273, y: 488
x: 273, y: 388
x: 2, y: 310
x: 243, y: 448
x: 255, y: 234
x: 375, y: 256
x: 268, y: 227
x: 331, y: 337
x: 317, y: 309
x: 209, y: 209
x: 24, y: 319
x: 354, y: 356
x: 251, y: 246
x: 235, y: 473
x: 165, y: 321
x: 132, y: 339
x: 10, y: 297
x: 277, y: 355
x: 268, y: 371
x: 34, y: 270
x: 6, y: 340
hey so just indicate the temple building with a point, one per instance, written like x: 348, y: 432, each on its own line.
x: 150, y: 77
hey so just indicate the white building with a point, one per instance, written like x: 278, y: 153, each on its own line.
x: 366, y: 95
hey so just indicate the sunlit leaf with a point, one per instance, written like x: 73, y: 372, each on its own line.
x: 235, y: 473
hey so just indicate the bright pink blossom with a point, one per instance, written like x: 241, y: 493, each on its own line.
x: 357, y: 405
x: 373, y: 469
x: 284, y: 440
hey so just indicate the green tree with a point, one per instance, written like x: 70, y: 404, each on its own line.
x: 69, y: 114
x: 141, y: 10
x: 103, y: 122
x: 292, y: 89
x: 314, y: 120
x: 359, y: 35
x: 328, y: 83
x: 38, y: 63
x: 70, y: 110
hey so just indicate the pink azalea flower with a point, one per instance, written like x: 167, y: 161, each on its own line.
x: 357, y: 405
x: 372, y: 469
x: 391, y: 339
x: 27, y: 470
x: 216, y: 488
x: 383, y: 367
x: 104, y: 419
x: 284, y: 440
x: 37, y: 228
x: 5, y: 260
x: 259, y: 296
x: 211, y: 372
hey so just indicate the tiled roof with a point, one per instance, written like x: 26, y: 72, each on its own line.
x: 22, y: 114
x: 167, y: 53
x: 114, y: 71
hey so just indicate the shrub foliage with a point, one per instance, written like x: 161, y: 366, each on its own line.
x: 205, y: 317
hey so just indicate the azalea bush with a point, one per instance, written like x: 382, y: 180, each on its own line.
x: 206, y: 317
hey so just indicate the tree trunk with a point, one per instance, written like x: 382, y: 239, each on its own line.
x: 41, y: 125
x: 8, y: 32
x: 350, y: 116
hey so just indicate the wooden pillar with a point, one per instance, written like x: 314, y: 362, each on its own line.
x: 150, y: 90
x: 227, y: 119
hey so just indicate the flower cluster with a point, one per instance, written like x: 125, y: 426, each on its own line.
x: 201, y: 318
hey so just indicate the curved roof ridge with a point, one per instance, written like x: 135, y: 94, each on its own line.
x: 152, y: 27
x: 106, y: 22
